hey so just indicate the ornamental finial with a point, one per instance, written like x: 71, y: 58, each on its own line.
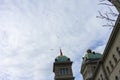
x: 61, y: 52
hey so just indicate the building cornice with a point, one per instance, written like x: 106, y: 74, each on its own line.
x: 108, y: 47
x: 112, y: 38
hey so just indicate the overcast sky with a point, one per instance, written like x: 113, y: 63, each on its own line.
x: 33, y: 31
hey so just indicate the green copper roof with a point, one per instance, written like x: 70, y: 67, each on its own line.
x: 62, y: 58
x: 93, y: 56
x: 89, y: 57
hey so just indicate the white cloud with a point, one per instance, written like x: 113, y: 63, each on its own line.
x: 32, y: 32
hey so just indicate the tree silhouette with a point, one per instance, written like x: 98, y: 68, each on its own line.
x: 109, y: 15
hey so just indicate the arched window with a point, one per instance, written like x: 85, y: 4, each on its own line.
x: 63, y: 71
x: 117, y: 48
x: 94, y: 67
x: 116, y: 78
x: 111, y: 64
x: 101, y: 77
x: 108, y: 70
x: 115, y: 59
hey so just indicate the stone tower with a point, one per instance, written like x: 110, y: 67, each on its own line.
x: 89, y: 64
x: 62, y: 68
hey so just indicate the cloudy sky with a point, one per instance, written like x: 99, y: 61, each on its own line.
x: 33, y: 31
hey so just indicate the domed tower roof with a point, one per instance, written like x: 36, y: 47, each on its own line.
x: 92, y: 55
x: 62, y: 68
x: 61, y: 57
x: 90, y: 61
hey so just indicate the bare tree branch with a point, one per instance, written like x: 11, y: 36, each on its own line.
x: 102, y: 0
x: 112, y: 13
x: 109, y: 15
x: 108, y: 25
x: 106, y: 4
x: 105, y: 16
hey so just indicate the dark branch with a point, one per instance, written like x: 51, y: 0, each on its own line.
x: 112, y: 13
x: 102, y: 0
x: 109, y: 25
x: 106, y: 4
x: 105, y: 16
x: 109, y: 15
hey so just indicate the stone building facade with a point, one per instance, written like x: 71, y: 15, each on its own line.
x: 106, y: 67
x: 95, y: 66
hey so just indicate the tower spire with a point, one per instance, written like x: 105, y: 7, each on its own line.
x: 62, y: 63
x: 61, y: 52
